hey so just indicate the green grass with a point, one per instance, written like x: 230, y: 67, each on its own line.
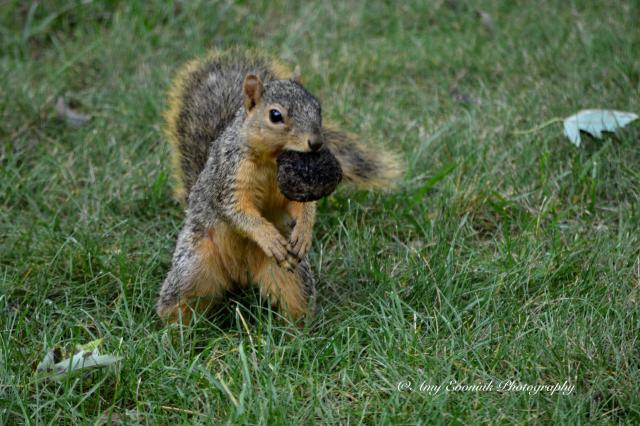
x: 502, y: 256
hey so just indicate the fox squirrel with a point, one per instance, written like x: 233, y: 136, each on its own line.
x: 229, y: 116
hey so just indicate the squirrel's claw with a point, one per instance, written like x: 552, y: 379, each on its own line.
x: 278, y: 248
x: 300, y: 243
x: 289, y: 263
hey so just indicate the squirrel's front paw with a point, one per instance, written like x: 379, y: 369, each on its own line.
x: 300, y: 241
x: 276, y: 247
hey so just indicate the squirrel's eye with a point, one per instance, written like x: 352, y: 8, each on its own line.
x: 276, y: 116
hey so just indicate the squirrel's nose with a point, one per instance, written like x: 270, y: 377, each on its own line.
x: 315, y: 142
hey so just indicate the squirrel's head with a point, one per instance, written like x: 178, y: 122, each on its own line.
x: 281, y: 115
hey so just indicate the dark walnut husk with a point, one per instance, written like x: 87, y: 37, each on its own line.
x: 308, y: 176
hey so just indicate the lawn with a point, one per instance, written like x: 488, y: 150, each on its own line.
x: 502, y: 257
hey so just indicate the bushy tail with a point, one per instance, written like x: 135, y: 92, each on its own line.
x: 367, y: 167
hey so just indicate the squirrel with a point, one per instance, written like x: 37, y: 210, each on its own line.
x: 229, y: 115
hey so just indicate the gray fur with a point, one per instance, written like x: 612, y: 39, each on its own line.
x: 212, y: 98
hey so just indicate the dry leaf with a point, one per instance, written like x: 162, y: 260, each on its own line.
x: 594, y: 122
x: 69, y: 115
x: 487, y: 21
x: 87, y: 357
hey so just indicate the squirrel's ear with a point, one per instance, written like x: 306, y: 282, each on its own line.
x: 296, y: 75
x: 252, y: 89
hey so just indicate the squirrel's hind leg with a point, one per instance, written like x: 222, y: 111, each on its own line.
x: 197, y: 271
x: 293, y: 292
